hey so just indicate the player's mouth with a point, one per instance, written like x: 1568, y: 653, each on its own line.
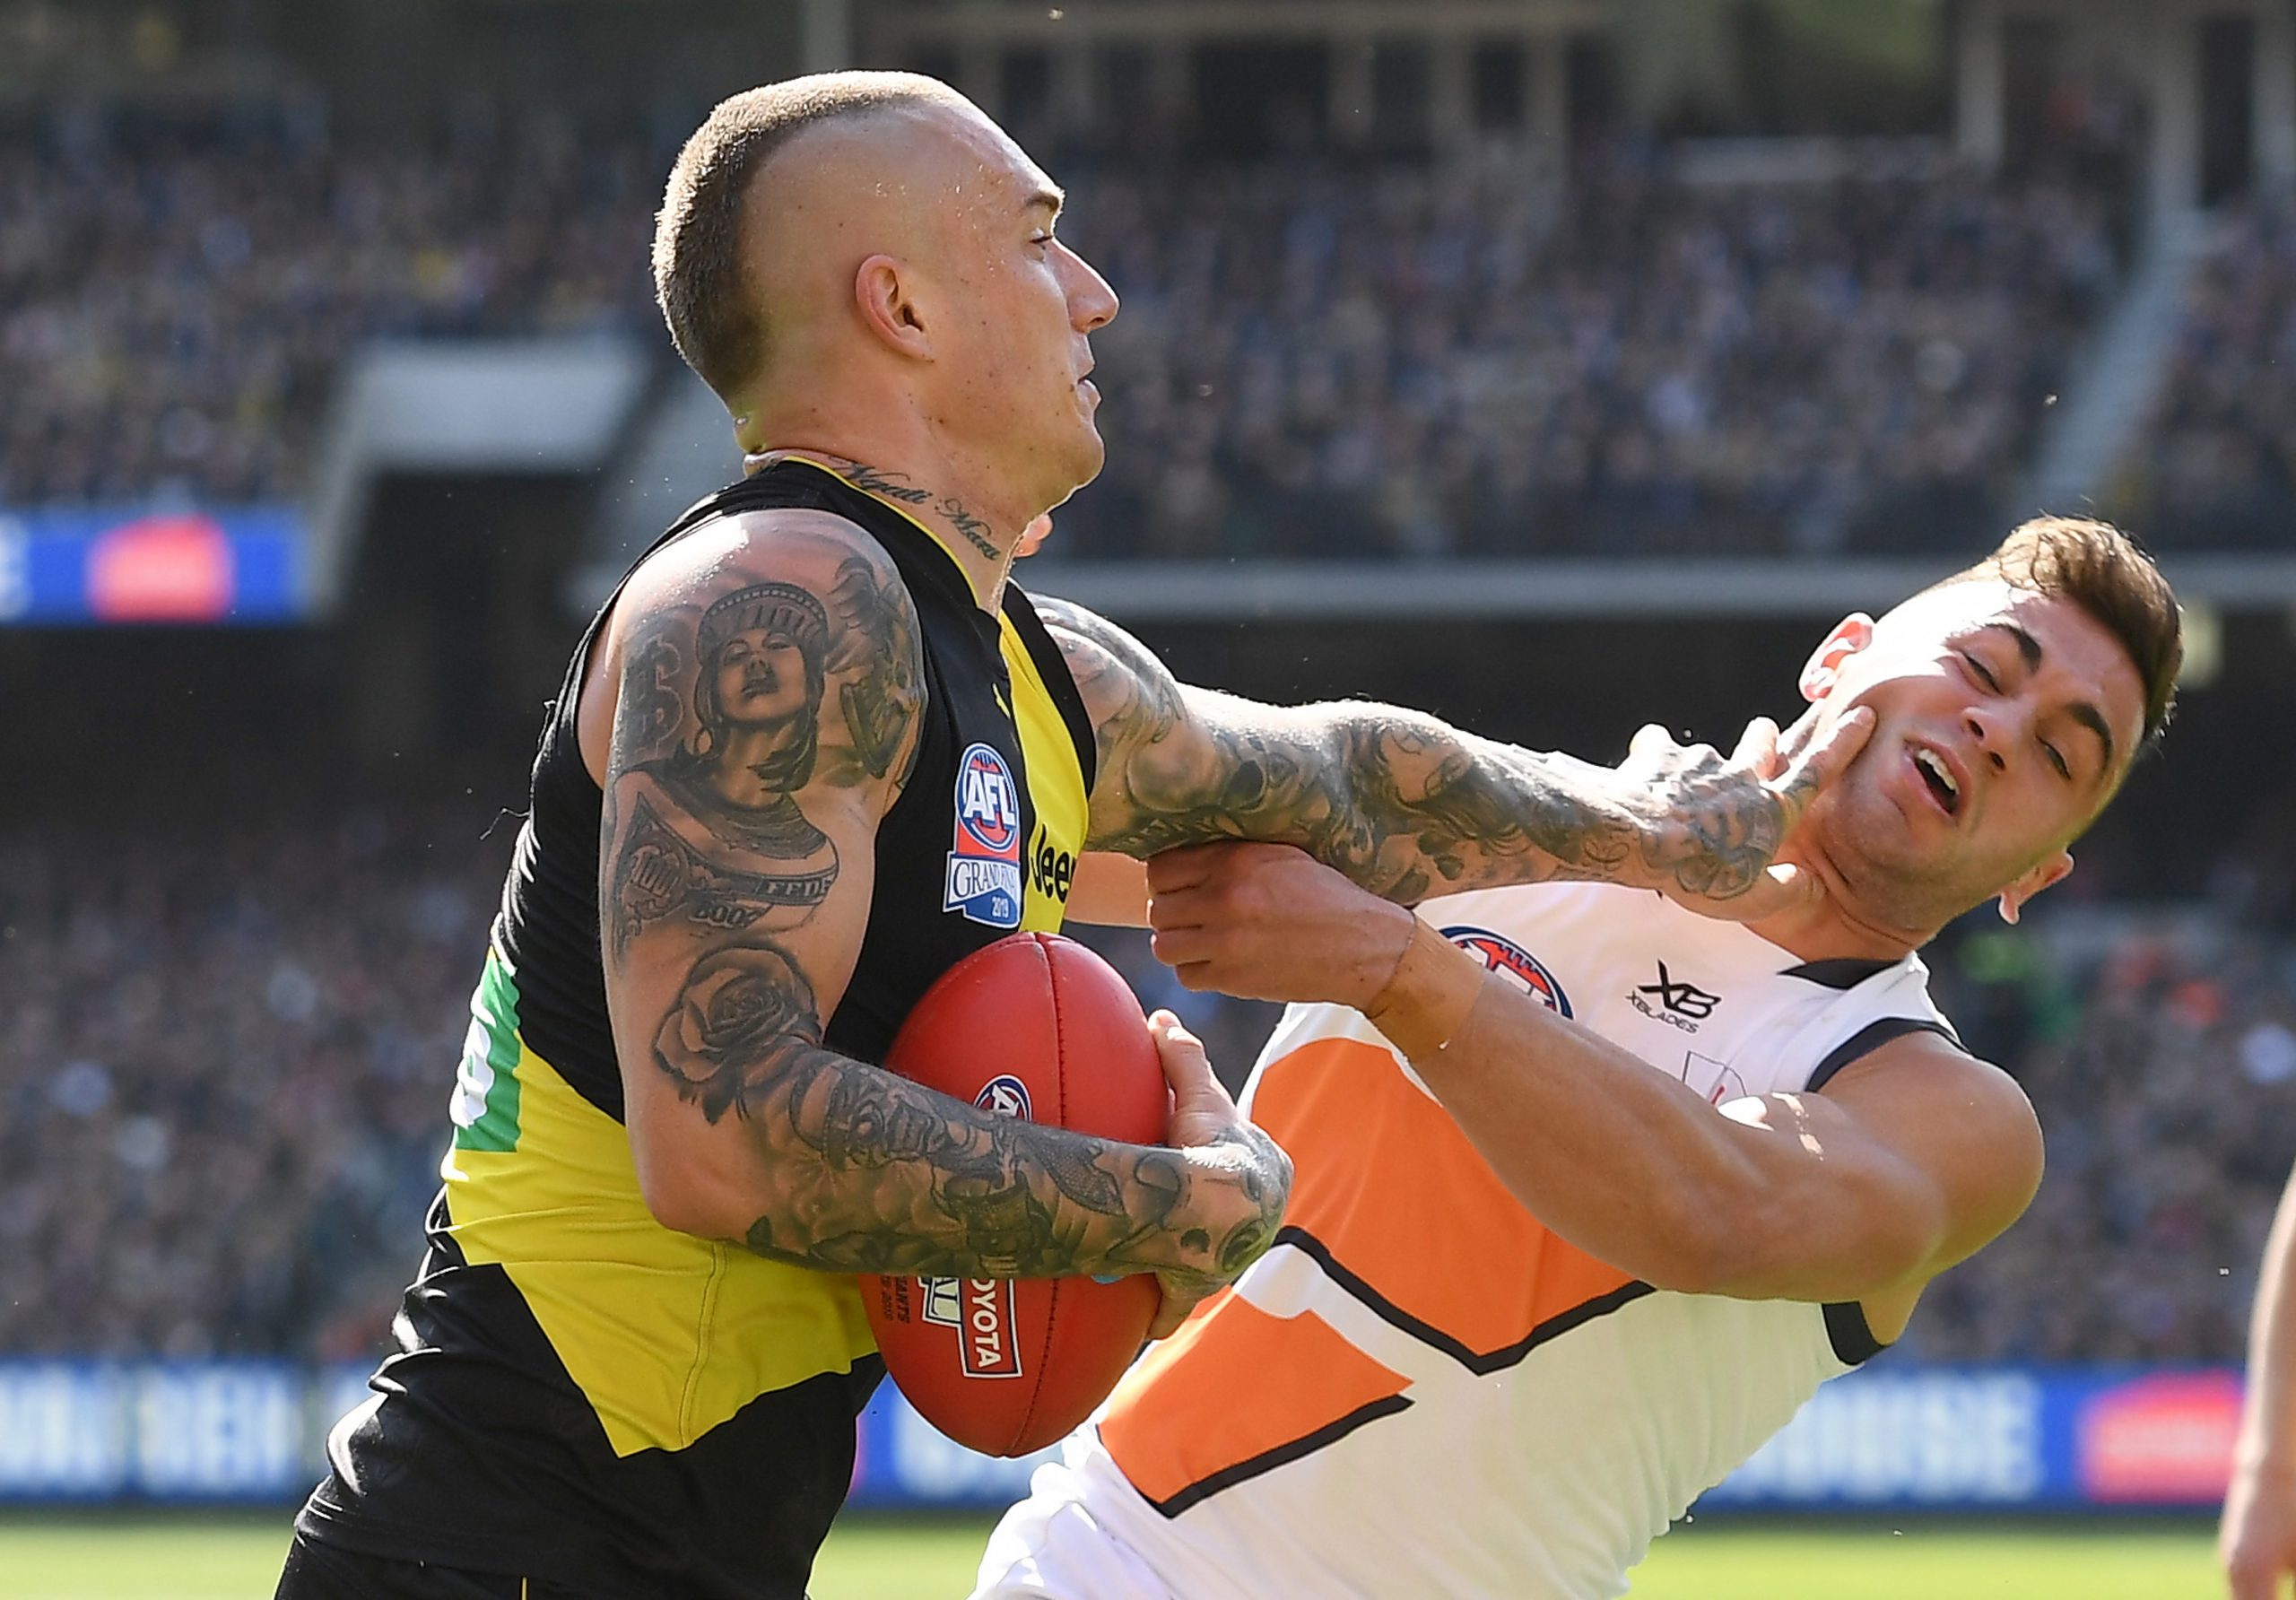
x: 1940, y: 777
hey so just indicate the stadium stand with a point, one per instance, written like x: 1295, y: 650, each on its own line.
x: 175, y: 294
x: 1316, y: 357
x: 1627, y: 363
x: 2219, y: 472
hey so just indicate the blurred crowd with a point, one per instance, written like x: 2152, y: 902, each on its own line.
x: 223, y: 1070
x: 1476, y: 360
x: 2161, y: 1054
x: 2220, y: 470
x: 1316, y: 356
x: 225, y: 1063
x: 175, y: 299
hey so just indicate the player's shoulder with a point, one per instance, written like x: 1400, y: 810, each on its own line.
x: 1090, y: 643
x: 821, y: 576
x: 797, y: 545
x: 1924, y: 1070
x: 1130, y: 696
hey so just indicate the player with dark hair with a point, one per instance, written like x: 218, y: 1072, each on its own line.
x: 813, y: 751
x: 1591, y: 1193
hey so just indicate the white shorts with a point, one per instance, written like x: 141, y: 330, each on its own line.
x: 1051, y: 1547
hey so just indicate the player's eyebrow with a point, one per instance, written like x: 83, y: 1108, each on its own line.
x: 2081, y: 711
x: 1051, y: 197
x: 2027, y: 646
x: 2090, y: 718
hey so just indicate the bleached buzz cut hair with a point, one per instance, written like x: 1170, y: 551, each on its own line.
x: 716, y: 317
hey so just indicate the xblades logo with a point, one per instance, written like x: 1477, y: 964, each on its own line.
x: 1681, y: 1006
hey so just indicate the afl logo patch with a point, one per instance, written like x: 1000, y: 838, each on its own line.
x: 1512, y: 962
x: 984, y: 882
x: 1005, y: 1095
x: 988, y: 803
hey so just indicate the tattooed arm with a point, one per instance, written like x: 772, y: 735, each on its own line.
x: 1409, y: 807
x: 751, y: 713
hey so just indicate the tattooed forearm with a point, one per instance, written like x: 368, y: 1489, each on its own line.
x: 1402, y: 805
x: 951, y: 1188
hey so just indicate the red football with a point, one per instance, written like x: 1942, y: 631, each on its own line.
x: 1034, y: 1026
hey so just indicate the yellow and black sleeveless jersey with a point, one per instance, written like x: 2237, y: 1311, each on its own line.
x: 580, y: 1393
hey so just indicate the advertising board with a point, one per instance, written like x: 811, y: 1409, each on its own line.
x: 1975, y: 1438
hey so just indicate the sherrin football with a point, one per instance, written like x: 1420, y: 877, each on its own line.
x: 1034, y: 1026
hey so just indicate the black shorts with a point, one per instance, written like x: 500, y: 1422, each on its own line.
x: 316, y: 1571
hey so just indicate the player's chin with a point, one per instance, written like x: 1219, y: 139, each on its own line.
x: 1088, y: 453
x: 1856, y: 822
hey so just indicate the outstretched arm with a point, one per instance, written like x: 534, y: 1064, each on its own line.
x: 2258, y: 1543
x: 1407, y: 806
x: 1911, y: 1160
x: 754, y: 713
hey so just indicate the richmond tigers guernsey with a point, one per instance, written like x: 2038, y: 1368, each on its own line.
x: 580, y: 1395
x: 1419, y: 1391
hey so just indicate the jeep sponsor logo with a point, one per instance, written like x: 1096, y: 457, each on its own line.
x: 1050, y: 871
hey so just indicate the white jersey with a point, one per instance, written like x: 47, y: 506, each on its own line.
x: 1420, y: 1390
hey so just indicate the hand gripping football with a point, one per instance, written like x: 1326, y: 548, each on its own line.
x: 1038, y: 1027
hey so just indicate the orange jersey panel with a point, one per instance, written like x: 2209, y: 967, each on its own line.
x: 1235, y: 1392
x: 1393, y: 1199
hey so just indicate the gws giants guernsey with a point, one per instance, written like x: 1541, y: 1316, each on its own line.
x: 1420, y: 1390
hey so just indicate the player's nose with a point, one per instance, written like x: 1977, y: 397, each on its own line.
x: 1092, y: 304
x: 1993, y: 728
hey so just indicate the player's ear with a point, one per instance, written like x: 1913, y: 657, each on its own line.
x: 885, y: 291
x: 2050, y: 872
x: 1850, y: 635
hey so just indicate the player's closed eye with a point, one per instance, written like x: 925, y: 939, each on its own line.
x: 1983, y: 674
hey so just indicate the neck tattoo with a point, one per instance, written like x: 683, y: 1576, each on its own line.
x: 974, y: 530
x: 893, y: 486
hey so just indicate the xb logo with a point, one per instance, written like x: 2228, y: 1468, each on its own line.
x: 1684, y: 999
